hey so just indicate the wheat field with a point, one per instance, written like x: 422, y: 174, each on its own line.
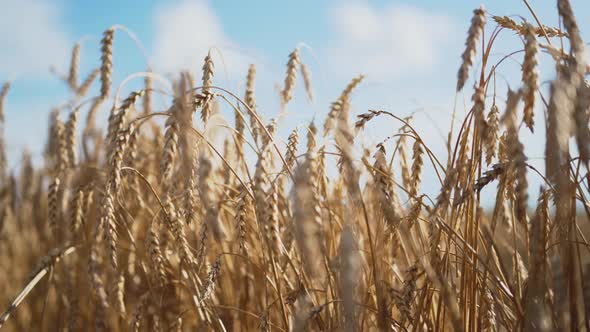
x: 143, y: 224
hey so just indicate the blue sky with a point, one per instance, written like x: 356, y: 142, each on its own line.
x: 409, y: 51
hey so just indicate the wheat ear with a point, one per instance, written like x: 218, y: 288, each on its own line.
x: 475, y: 31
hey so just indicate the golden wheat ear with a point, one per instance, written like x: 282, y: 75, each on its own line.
x: 106, y: 67
x: 475, y: 31
x: 206, y: 107
x: 291, y: 77
x: 530, y: 76
x: 74, y: 67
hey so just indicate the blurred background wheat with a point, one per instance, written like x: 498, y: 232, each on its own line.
x: 186, y: 210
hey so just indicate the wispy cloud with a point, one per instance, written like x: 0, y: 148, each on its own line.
x: 32, y: 38
x: 387, y: 42
x: 184, y: 33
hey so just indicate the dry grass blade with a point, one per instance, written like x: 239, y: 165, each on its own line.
x: 47, y: 263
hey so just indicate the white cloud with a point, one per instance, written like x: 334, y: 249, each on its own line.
x: 185, y: 31
x: 32, y: 38
x: 387, y: 42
